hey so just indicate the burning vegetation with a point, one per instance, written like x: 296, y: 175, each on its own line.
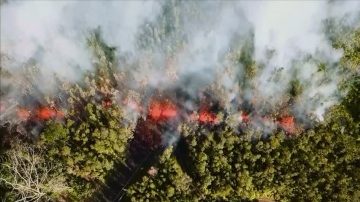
x: 162, y: 115
x: 162, y: 110
x: 206, y: 116
x: 287, y: 123
x: 180, y: 120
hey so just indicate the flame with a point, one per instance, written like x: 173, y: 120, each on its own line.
x: 162, y: 110
x: 45, y: 113
x: 41, y: 113
x: 159, y: 110
x: 287, y: 123
x: 207, y: 117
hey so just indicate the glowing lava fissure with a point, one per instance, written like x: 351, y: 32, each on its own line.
x: 162, y: 110
x: 207, y: 117
x: 165, y: 110
x: 162, y: 116
x: 287, y: 123
x: 42, y: 113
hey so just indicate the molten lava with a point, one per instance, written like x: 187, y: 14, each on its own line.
x: 162, y: 110
x: 45, y: 113
x: 287, y: 123
x: 207, y: 117
x: 41, y: 113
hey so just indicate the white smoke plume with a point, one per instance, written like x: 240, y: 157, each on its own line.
x: 54, y: 33
x: 187, y: 45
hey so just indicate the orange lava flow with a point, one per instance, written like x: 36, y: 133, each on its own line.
x: 162, y: 110
x: 41, y: 113
x: 45, y: 113
x: 207, y: 117
x: 287, y: 123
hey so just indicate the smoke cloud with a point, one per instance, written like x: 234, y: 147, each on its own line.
x: 54, y: 33
x: 189, y: 45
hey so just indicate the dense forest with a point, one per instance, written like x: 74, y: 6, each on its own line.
x: 112, y: 136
